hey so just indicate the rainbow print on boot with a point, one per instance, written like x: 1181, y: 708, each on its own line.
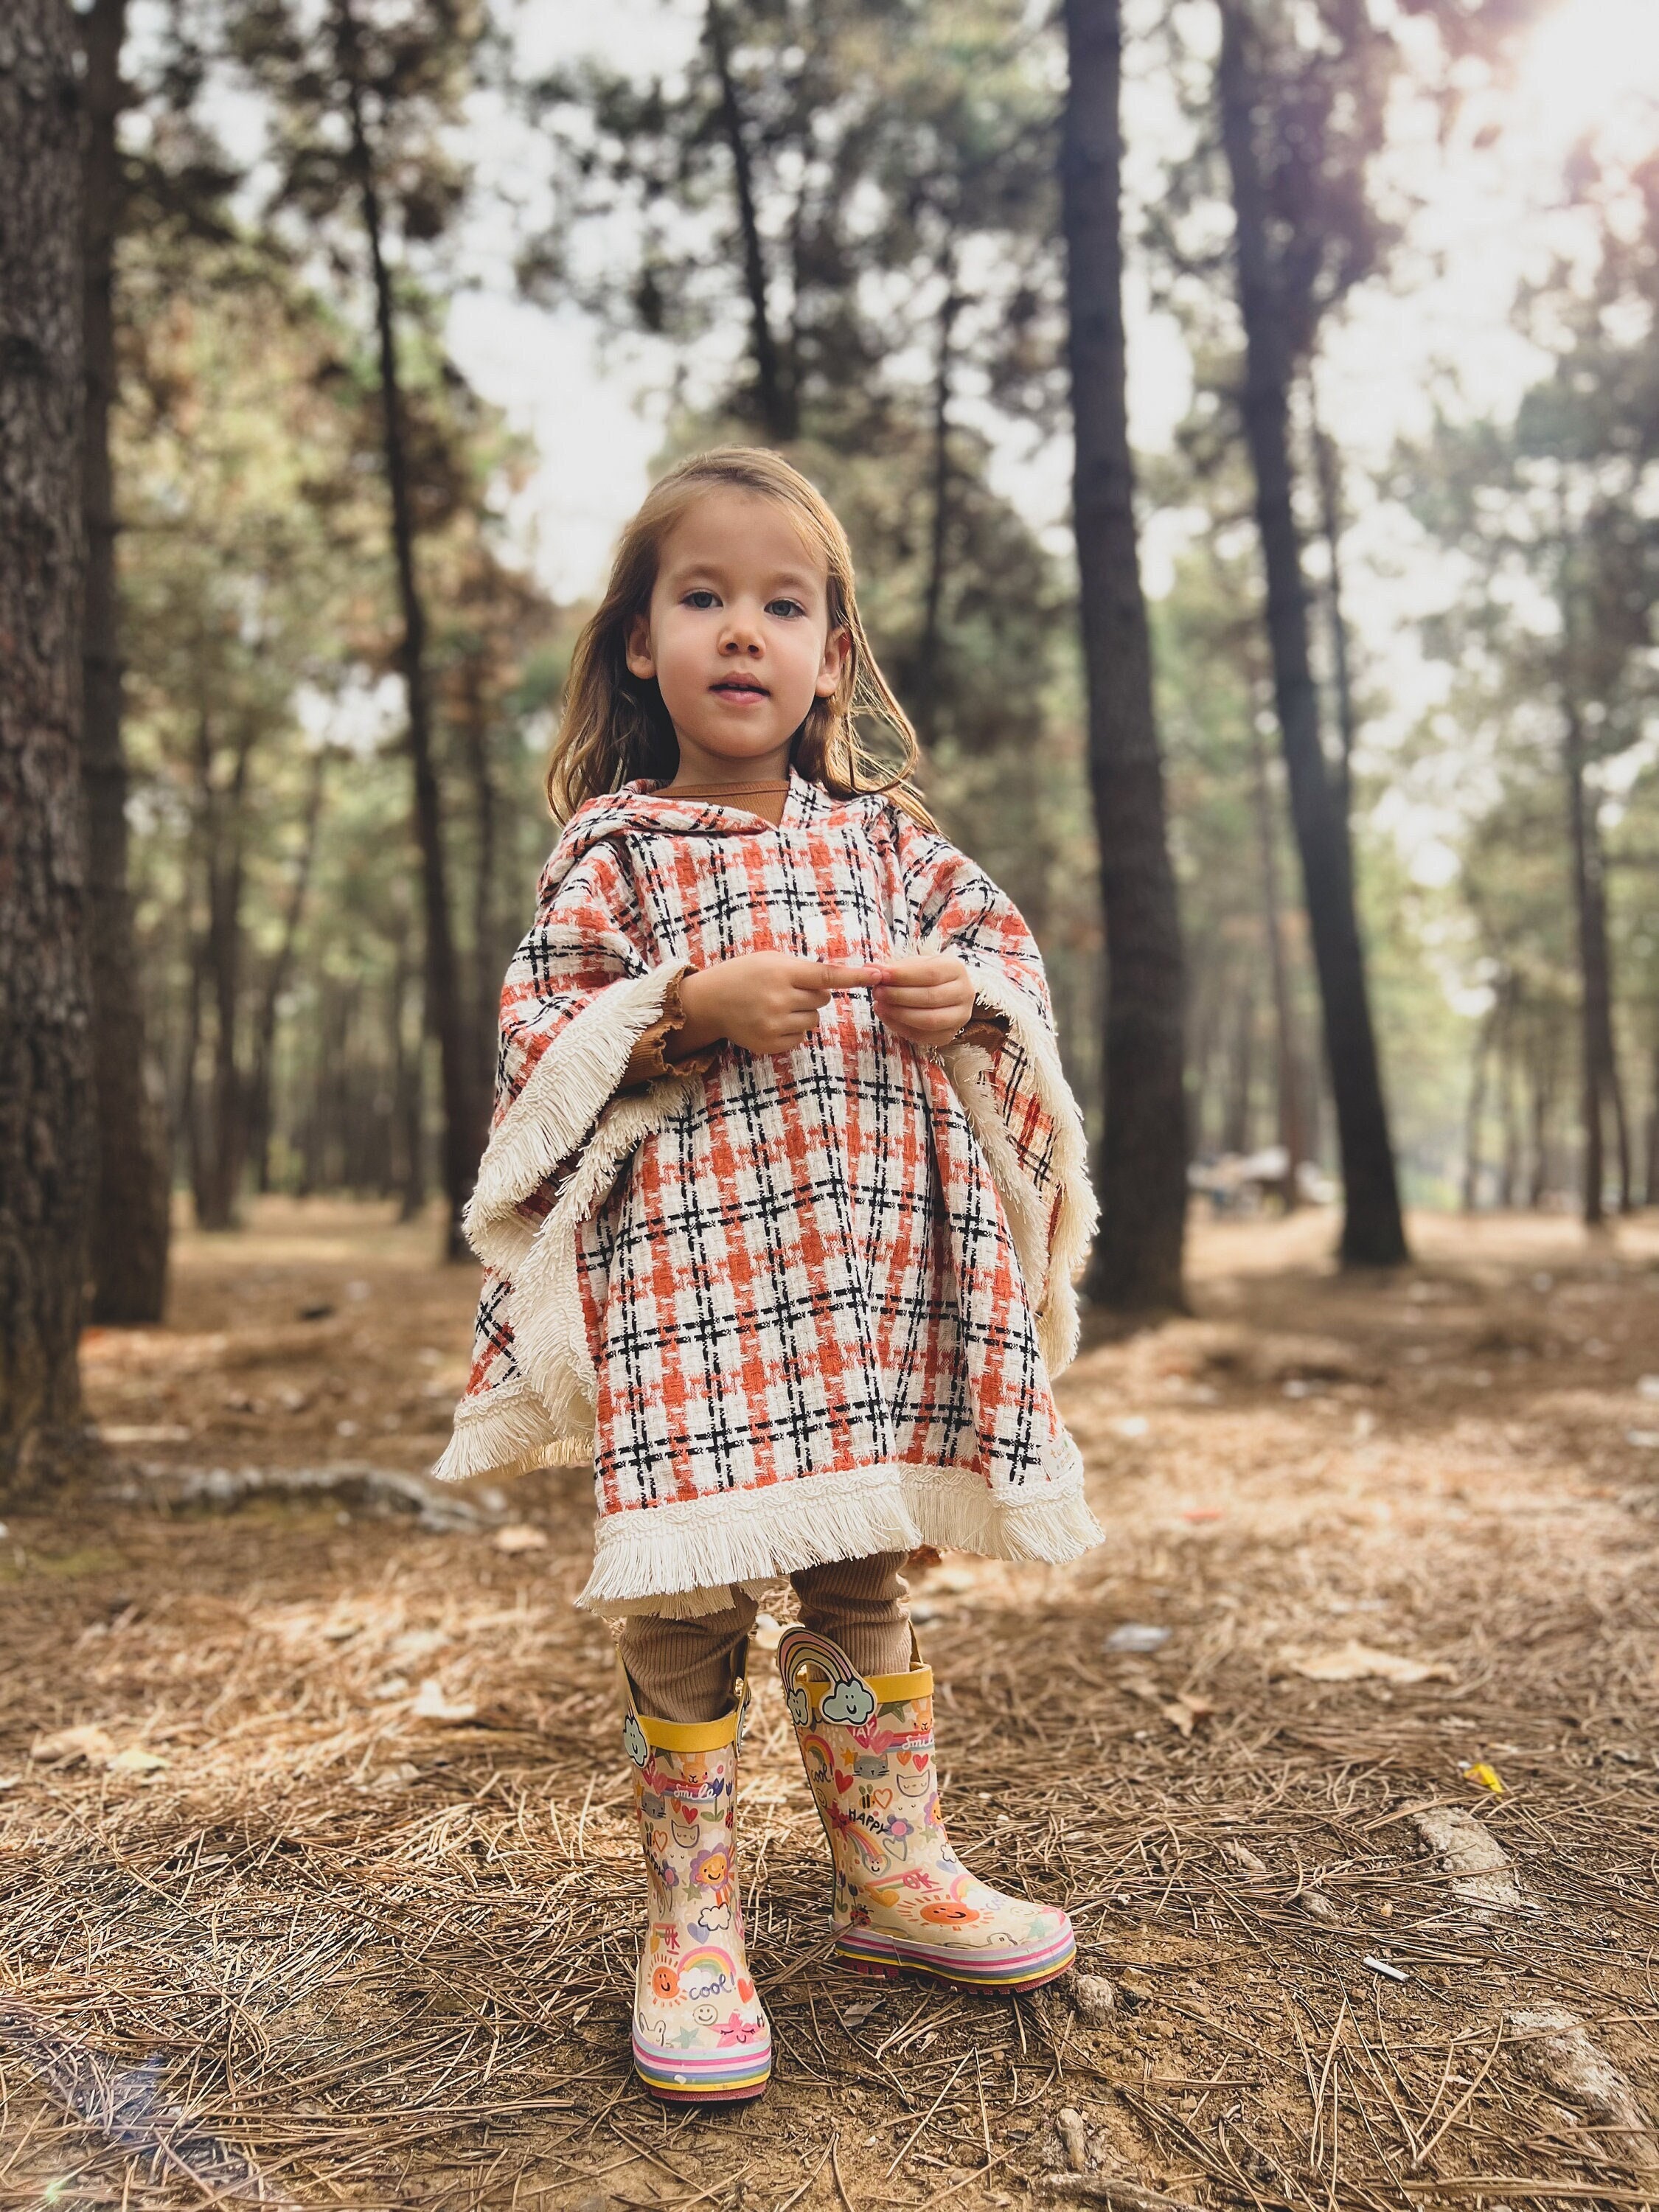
x: 903, y: 1900
x: 700, y: 2033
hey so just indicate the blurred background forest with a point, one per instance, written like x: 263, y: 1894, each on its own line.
x: 333, y: 584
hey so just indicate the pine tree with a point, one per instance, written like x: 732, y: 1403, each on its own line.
x: 47, y: 1159
x: 1137, y: 1263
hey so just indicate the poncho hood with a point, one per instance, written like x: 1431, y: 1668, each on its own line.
x: 642, y: 806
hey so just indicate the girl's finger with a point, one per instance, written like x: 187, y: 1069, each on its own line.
x: 826, y: 975
x: 918, y: 998
x: 922, y: 967
x: 919, y: 1028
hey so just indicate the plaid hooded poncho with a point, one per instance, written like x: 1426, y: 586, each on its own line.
x: 797, y: 1308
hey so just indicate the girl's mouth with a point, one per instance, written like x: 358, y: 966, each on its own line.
x: 739, y: 689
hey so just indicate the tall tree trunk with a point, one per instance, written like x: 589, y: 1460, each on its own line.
x: 932, y: 606
x: 1476, y: 1112
x: 187, y: 1104
x: 464, y: 1108
x: 474, y: 720
x: 1204, y: 1026
x: 1236, y: 1131
x: 1508, y: 1171
x: 1288, y: 1068
x: 48, y: 1158
x: 1541, y: 1072
x: 1590, y: 915
x: 1613, y: 1081
x: 412, y: 1119
x: 261, y: 1083
x: 774, y: 391
x: 1328, y: 470
x: 223, y: 1127
x: 1373, y: 1230
x: 129, y: 1238
x: 1137, y: 1263
x: 1650, y: 1178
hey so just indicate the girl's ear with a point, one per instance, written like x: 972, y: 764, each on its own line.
x: 836, y: 648
x: 638, y: 656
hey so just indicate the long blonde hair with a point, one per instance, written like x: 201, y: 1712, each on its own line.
x: 614, y: 726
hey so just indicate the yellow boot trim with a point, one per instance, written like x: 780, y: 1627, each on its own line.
x: 694, y: 1735
x: 898, y: 1689
x: 885, y: 1689
x: 689, y: 1736
x: 894, y: 1689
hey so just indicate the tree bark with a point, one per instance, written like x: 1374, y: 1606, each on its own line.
x: 1288, y: 1067
x: 1236, y: 1130
x: 1508, y: 1171
x: 773, y: 393
x: 262, y: 1081
x: 1541, y: 1070
x: 1373, y: 1230
x: 474, y: 730
x: 221, y: 1127
x: 1328, y: 470
x: 1137, y: 1263
x: 933, y: 607
x: 1602, y: 1090
x: 465, y: 1113
x: 1204, y: 1030
x: 1474, y: 1114
x: 47, y: 1157
x: 129, y: 1228
x: 409, y: 1112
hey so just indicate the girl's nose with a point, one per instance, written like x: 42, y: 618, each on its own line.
x: 741, y: 637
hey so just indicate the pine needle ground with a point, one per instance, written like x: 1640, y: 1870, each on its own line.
x: 333, y: 1899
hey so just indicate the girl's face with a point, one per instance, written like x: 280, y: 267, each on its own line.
x: 738, y: 635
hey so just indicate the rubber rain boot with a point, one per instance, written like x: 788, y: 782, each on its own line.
x: 903, y: 1900
x: 700, y: 2033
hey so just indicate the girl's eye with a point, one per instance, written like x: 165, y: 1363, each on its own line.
x: 785, y: 607
x: 701, y: 598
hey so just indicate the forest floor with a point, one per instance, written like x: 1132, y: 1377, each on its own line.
x: 317, y: 1886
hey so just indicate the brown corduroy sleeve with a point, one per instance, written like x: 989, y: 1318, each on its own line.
x: 648, y: 1060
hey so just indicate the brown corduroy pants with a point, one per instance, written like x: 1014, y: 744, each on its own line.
x: 681, y: 1670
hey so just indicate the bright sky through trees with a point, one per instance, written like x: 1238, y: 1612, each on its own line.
x: 1591, y: 66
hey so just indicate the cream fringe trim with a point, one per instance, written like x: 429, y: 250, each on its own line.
x: 546, y: 1419
x: 568, y: 1091
x: 683, y: 1558
x: 506, y: 1433
x: 1050, y: 1270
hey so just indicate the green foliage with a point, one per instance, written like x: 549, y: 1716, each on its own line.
x: 261, y: 629
x: 1552, y: 519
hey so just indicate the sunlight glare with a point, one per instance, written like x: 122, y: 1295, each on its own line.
x: 1592, y: 66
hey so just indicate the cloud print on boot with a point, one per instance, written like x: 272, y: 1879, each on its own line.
x: 850, y: 1705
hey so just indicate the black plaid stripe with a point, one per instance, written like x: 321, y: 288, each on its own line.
x: 1030, y: 1131
x: 493, y: 1363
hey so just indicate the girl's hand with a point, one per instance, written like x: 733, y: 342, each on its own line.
x: 767, y: 1002
x: 930, y: 997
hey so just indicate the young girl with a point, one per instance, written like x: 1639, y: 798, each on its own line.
x: 780, y: 1216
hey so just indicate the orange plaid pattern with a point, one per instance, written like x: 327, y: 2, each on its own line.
x: 809, y: 1267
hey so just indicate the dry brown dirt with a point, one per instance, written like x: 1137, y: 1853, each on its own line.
x: 336, y: 1903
